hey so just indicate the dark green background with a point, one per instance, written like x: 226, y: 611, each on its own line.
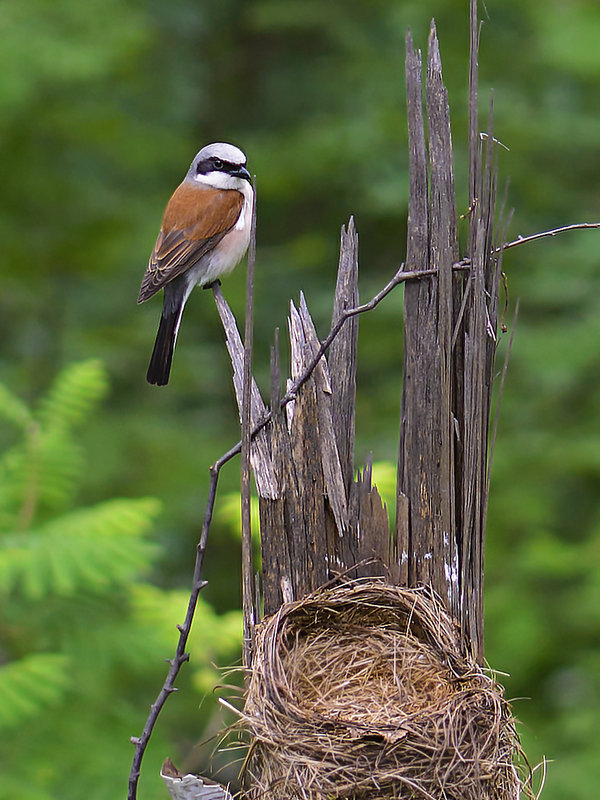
x: 103, y: 106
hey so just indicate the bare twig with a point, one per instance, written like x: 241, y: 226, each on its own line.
x: 181, y: 656
x: 400, y: 277
x: 247, y: 566
x: 577, y: 226
x: 499, y: 401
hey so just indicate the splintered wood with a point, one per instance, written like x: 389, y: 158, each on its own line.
x: 324, y: 523
x: 319, y: 522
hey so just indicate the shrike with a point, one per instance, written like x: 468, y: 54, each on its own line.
x: 205, y: 232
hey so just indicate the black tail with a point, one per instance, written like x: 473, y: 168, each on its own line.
x: 159, y: 368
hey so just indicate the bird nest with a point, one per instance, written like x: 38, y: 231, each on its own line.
x: 363, y: 692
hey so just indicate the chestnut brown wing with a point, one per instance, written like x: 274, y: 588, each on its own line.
x: 194, y: 222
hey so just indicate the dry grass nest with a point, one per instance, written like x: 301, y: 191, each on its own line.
x: 362, y: 691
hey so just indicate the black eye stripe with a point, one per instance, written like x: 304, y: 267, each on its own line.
x: 214, y: 164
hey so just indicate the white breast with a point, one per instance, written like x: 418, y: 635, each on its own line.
x: 230, y: 250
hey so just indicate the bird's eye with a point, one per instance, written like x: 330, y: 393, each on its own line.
x: 218, y: 163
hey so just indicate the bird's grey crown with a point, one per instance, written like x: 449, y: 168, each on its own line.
x: 217, y: 152
x: 228, y: 152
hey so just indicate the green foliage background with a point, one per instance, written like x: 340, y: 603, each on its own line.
x: 103, y: 105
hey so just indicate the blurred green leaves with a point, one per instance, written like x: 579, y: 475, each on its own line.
x: 83, y: 634
x: 30, y: 685
x: 41, y: 471
x: 49, y: 44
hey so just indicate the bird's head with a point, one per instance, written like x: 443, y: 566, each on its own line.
x: 221, y: 166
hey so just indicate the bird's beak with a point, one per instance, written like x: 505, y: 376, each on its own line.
x: 242, y: 172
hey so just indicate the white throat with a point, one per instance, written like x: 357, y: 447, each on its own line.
x: 221, y: 180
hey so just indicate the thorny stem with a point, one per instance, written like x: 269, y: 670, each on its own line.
x: 181, y: 656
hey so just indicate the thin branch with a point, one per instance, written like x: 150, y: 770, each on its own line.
x: 577, y: 226
x: 247, y: 565
x: 499, y: 403
x: 400, y: 277
x: 180, y: 655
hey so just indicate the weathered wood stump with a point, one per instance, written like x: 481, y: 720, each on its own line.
x: 335, y: 576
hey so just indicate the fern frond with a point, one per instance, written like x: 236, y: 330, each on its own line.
x: 39, y: 474
x: 42, y: 472
x: 85, y: 549
x: 29, y: 685
x: 13, y: 409
x: 74, y: 394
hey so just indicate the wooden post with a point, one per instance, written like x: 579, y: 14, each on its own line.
x: 450, y: 323
x: 321, y: 526
x: 425, y: 474
x: 319, y: 522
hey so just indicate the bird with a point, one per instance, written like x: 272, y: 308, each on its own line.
x: 204, y: 234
